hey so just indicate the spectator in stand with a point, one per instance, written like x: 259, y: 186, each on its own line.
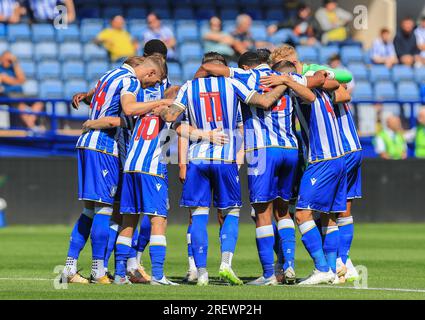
x: 242, y: 34
x: 417, y: 135
x: 158, y: 31
x: 11, y: 11
x: 304, y: 26
x: 333, y: 21
x: 45, y: 11
x: 12, y: 77
x: 405, y: 43
x: 216, y: 40
x: 420, y: 38
x: 336, y: 63
x: 390, y: 143
x: 117, y: 41
x: 383, y: 51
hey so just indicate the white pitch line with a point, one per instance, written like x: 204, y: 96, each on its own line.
x: 25, y: 279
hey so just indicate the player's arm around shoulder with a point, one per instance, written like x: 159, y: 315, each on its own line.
x: 341, y: 95
x: 131, y: 107
x: 103, y: 123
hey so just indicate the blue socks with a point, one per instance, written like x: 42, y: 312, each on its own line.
x: 312, y: 241
x: 112, y: 239
x: 330, y: 245
x: 80, y: 233
x: 265, y: 242
x: 122, y: 253
x: 286, y: 229
x: 230, y: 230
x: 144, y: 234
x: 199, y: 235
x: 133, y: 252
x: 346, y: 233
x: 157, y: 250
x: 277, y: 248
x: 100, y: 232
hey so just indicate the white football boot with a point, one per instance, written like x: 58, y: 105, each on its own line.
x: 261, y: 281
x: 319, y: 277
x: 203, y: 280
x: 352, y: 274
x: 290, y: 276
x: 162, y: 282
x: 191, y: 276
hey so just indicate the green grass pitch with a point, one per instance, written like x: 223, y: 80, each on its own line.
x: 392, y: 253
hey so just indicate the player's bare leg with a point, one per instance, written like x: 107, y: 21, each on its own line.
x: 286, y: 229
x: 312, y: 241
x: 157, y: 249
x: 265, y: 241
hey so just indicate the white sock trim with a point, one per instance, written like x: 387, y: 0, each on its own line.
x: 231, y: 212
x: 200, y: 211
x: 126, y: 241
x: 158, y: 240
x: 345, y: 221
x: 307, y: 226
x: 329, y: 229
x: 286, y: 224
x: 114, y: 227
x: 132, y: 264
x: 188, y: 238
x: 264, y: 231
x: 103, y: 210
x: 88, y: 213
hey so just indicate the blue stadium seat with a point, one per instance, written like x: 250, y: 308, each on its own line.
x: 408, y: 91
x: 274, y: 14
x: 43, y: 32
x: 29, y: 68
x: 71, y: 33
x: 189, y: 70
x: 70, y: 51
x: 48, y: 70
x: 162, y: 12
x: 190, y: 51
x: 23, y: 50
x: 422, y: 88
x: 363, y: 91
x: 226, y: 3
x: 174, y: 70
x: 307, y: 53
x: 359, y: 71
x: 110, y: 12
x: 385, y: 91
x: 4, y: 45
x: 420, y: 74
x: 90, y: 31
x: 137, y: 30
x: 136, y: 13
x: 281, y: 36
x: 30, y: 88
x: 187, y: 33
x: 158, y: 3
x: 51, y: 89
x: 379, y: 72
x: 2, y: 30
x: 72, y: 70
x: 95, y: 70
x: 18, y: 32
x: 199, y: 3
x: 228, y: 25
x: 325, y: 52
x: 402, y: 73
x: 45, y: 50
x: 92, y: 21
x: 229, y: 14
x: 94, y: 52
x: 259, y: 32
x: 351, y: 54
x: 184, y: 13
x: 205, y: 13
x: 88, y: 12
x: 73, y: 86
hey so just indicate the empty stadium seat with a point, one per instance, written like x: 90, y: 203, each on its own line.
x: 408, y: 91
x: 29, y: 68
x: 379, y: 72
x: 136, y: 13
x: 184, y: 13
x: 17, y: 32
x: 137, y: 30
x: 74, y: 86
x: 420, y: 74
x: 189, y: 70
x: 110, y: 12
x: 30, y: 88
x: 351, y: 54
x: 52, y: 89
x: 22, y: 50
x: 190, y: 51
x: 229, y: 14
x: 186, y: 33
x: 307, y: 53
x: 402, y: 73
x: 45, y: 50
x: 359, y: 71
x: 73, y: 69
x: 94, y: 52
x: 363, y: 91
x: 43, y: 32
x: 281, y: 36
x: 70, y: 33
x: 325, y: 52
x: 385, y: 91
x: 174, y: 70
x: 4, y: 45
x: 70, y: 51
x: 274, y: 14
x: 259, y: 32
x: 95, y: 70
x: 90, y: 31
x: 48, y: 70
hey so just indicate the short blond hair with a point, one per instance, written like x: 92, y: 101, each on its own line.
x: 282, y: 53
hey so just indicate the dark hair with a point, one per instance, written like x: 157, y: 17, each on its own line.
x: 325, y: 2
x: 302, y: 6
x: 407, y: 18
x: 155, y: 46
x: 154, y: 14
x: 284, y: 66
x: 214, y: 57
x: 264, y: 55
x: 334, y: 57
x: 249, y: 58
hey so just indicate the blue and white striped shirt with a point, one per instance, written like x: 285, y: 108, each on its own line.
x: 7, y: 7
x: 319, y: 128
x: 147, y: 150
x: 267, y: 128
x: 347, y: 128
x: 106, y: 102
x: 211, y: 103
x: 44, y: 9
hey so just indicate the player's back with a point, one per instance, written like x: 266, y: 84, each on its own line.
x: 347, y: 128
x: 213, y: 103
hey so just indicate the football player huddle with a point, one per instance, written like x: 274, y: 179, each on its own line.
x: 223, y: 117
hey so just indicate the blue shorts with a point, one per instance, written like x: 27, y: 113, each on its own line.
x: 144, y: 194
x: 98, y: 176
x: 353, y: 162
x: 271, y: 173
x: 323, y: 187
x: 202, y: 178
